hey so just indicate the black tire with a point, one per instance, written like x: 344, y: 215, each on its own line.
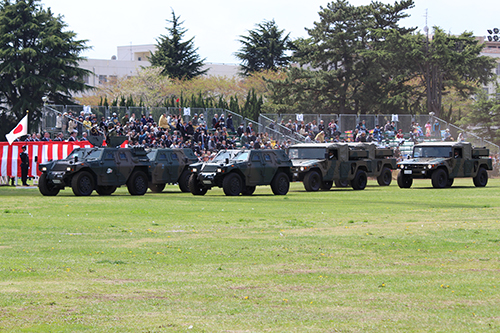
x: 232, y: 184
x: 439, y: 178
x: 105, y: 190
x: 82, y: 184
x: 183, y: 181
x: 195, y: 187
x: 341, y: 183
x: 450, y: 182
x: 404, y: 181
x: 326, y: 185
x: 47, y: 188
x: 137, y: 183
x: 312, y: 181
x: 248, y: 190
x: 481, y: 178
x: 385, y: 177
x: 156, y: 188
x: 359, y: 181
x: 280, y: 184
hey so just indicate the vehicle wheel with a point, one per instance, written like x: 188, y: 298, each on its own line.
x: 248, y: 190
x: 105, y: 190
x: 184, y: 181
x: 404, y: 181
x: 195, y: 187
x: 450, y: 182
x: 481, y: 178
x: 82, y: 184
x: 156, y: 188
x: 360, y: 180
x: 439, y: 178
x: 312, y: 181
x: 341, y: 183
x: 385, y: 177
x: 280, y: 184
x: 47, y: 188
x: 232, y: 184
x: 327, y: 185
x: 137, y: 184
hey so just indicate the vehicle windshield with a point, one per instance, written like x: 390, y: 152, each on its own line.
x: 241, y: 156
x: 306, y: 153
x: 222, y: 155
x: 93, y: 154
x: 431, y: 152
x: 77, y: 153
x: 152, y: 155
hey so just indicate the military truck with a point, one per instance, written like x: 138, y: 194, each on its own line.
x: 320, y: 165
x: 442, y: 162
x: 170, y: 166
x: 101, y: 168
x: 240, y: 171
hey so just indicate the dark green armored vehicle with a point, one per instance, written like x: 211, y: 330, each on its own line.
x: 170, y: 166
x: 102, y: 169
x: 442, y: 162
x: 240, y: 171
x: 320, y: 165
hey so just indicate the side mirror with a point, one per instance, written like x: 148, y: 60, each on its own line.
x: 227, y: 160
x: 76, y: 159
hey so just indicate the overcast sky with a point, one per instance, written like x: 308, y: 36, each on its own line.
x: 217, y: 24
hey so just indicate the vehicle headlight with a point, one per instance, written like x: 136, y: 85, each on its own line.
x: 68, y: 169
x: 44, y: 169
x: 401, y: 166
x: 194, y: 170
x: 302, y: 168
x: 430, y: 166
x: 219, y: 170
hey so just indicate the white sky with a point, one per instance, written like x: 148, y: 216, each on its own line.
x: 217, y: 24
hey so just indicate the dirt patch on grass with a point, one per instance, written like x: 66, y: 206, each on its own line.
x: 118, y: 281
x: 5, y: 247
x: 138, y: 296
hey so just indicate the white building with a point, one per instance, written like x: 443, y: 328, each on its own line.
x: 130, y: 59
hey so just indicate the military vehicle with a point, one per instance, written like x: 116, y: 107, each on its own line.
x: 99, y: 168
x: 442, y: 162
x: 240, y: 171
x: 170, y: 166
x: 320, y: 165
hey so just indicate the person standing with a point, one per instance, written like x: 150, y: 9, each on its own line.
x: 25, y: 160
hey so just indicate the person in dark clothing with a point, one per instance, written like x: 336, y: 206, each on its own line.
x: 229, y: 123
x: 25, y: 160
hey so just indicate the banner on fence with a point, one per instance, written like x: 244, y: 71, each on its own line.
x: 10, y: 162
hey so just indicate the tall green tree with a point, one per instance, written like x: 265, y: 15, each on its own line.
x: 175, y: 57
x: 340, y: 69
x: 264, y: 48
x: 38, y: 57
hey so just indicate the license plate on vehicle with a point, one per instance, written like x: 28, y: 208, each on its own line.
x: 407, y: 172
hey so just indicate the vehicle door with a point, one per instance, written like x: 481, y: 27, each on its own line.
x: 269, y: 164
x: 107, y: 171
x: 175, y: 165
x: 255, y: 169
x: 332, y: 163
x: 456, y: 162
x: 160, y: 168
x: 124, y: 165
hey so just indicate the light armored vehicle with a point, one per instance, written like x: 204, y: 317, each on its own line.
x: 442, y: 162
x: 170, y: 166
x: 102, y: 169
x: 240, y: 171
x: 320, y: 165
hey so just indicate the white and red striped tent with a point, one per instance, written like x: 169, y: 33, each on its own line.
x: 10, y: 162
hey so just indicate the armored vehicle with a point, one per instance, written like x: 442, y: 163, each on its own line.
x: 102, y: 169
x: 320, y: 165
x: 442, y: 162
x: 240, y: 171
x: 170, y: 166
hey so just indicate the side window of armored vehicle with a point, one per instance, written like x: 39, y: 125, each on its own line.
x: 162, y: 157
x: 255, y: 158
x: 174, y: 156
x: 122, y: 156
x: 267, y: 158
x: 109, y: 156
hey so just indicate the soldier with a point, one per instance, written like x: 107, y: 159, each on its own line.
x: 24, y: 165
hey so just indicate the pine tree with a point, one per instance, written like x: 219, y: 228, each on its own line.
x: 177, y: 58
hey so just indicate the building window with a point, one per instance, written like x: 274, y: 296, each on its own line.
x: 113, y: 78
x: 139, y: 59
x: 102, y: 79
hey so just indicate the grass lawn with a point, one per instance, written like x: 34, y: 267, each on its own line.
x: 379, y: 260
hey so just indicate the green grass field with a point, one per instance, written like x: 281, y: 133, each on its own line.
x: 378, y: 260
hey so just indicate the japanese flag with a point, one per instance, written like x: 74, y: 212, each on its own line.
x: 20, y: 130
